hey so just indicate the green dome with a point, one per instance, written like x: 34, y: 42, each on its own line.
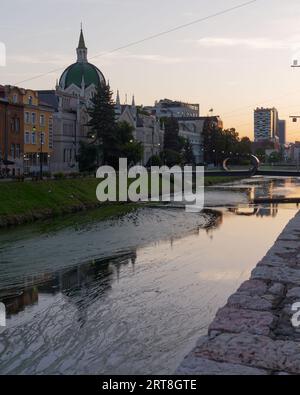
x: 75, y: 74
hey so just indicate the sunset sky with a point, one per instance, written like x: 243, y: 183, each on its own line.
x: 232, y: 63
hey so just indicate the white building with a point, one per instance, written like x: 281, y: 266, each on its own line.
x: 76, y: 86
x: 171, y: 108
x: 266, y: 124
x: 146, y: 128
x: 192, y: 130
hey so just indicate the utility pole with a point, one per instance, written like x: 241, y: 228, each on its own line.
x: 296, y: 117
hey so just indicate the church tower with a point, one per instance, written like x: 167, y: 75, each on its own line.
x: 82, y: 49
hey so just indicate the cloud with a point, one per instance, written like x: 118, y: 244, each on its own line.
x: 45, y: 58
x: 253, y: 43
x: 153, y: 58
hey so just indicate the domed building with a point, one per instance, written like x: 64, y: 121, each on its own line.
x: 81, y: 78
x: 71, y: 98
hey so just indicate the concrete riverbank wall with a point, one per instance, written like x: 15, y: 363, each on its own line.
x: 253, y: 333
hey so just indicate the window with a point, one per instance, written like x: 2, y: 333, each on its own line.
x: 18, y: 151
x: 33, y: 118
x: 42, y: 120
x: 12, y: 151
x: 50, y: 133
x: 68, y: 129
x: 27, y: 117
x: 30, y: 100
x: 17, y: 125
x: 33, y: 138
x: 15, y: 98
x: 27, y: 138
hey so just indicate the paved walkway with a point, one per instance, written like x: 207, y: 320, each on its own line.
x: 253, y: 333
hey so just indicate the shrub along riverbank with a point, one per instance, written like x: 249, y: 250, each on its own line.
x: 22, y: 202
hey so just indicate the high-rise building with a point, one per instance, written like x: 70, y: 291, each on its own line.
x: 282, y: 131
x: 266, y: 124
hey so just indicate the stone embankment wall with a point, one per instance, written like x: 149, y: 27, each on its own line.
x: 253, y: 334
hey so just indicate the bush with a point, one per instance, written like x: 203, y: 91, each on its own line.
x: 75, y: 174
x: 155, y: 160
x: 59, y: 176
x: 47, y: 174
x: 20, y: 178
x: 171, y: 158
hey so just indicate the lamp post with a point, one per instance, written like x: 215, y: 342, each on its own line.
x: 49, y: 162
x: 41, y: 155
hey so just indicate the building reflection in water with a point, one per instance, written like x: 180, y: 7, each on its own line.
x: 77, y: 284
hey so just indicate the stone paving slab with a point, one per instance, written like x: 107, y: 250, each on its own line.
x: 253, y: 334
x: 200, y: 366
x: 238, y: 320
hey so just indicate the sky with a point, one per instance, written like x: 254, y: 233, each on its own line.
x: 232, y: 63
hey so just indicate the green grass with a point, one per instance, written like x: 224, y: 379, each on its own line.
x: 30, y: 201
x: 25, y: 197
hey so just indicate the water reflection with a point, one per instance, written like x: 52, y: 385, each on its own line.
x: 245, y: 191
x: 267, y: 210
x: 77, y: 281
x: 80, y: 278
x: 132, y: 295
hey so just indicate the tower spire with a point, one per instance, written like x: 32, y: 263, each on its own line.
x: 81, y: 49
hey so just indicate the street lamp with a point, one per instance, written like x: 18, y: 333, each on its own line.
x: 41, y: 155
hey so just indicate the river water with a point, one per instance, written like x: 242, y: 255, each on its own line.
x: 132, y: 295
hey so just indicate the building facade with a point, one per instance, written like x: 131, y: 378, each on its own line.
x: 171, y: 108
x: 282, y: 131
x: 11, y: 133
x: 266, y: 124
x: 147, y: 128
x: 71, y: 99
x: 66, y: 131
x: 38, y: 133
x: 192, y: 129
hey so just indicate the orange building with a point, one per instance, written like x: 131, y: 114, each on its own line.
x: 37, y: 131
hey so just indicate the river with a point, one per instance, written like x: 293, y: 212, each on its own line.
x: 132, y: 295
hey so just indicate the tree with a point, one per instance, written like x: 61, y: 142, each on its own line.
x: 127, y: 147
x: 155, y: 160
x: 188, y: 154
x: 274, y: 157
x: 245, y: 146
x: 261, y: 154
x: 102, y: 123
x: 212, y: 140
x: 171, y: 140
x: 171, y: 158
x: 88, y: 155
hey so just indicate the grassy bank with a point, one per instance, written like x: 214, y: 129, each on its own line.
x: 31, y: 201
